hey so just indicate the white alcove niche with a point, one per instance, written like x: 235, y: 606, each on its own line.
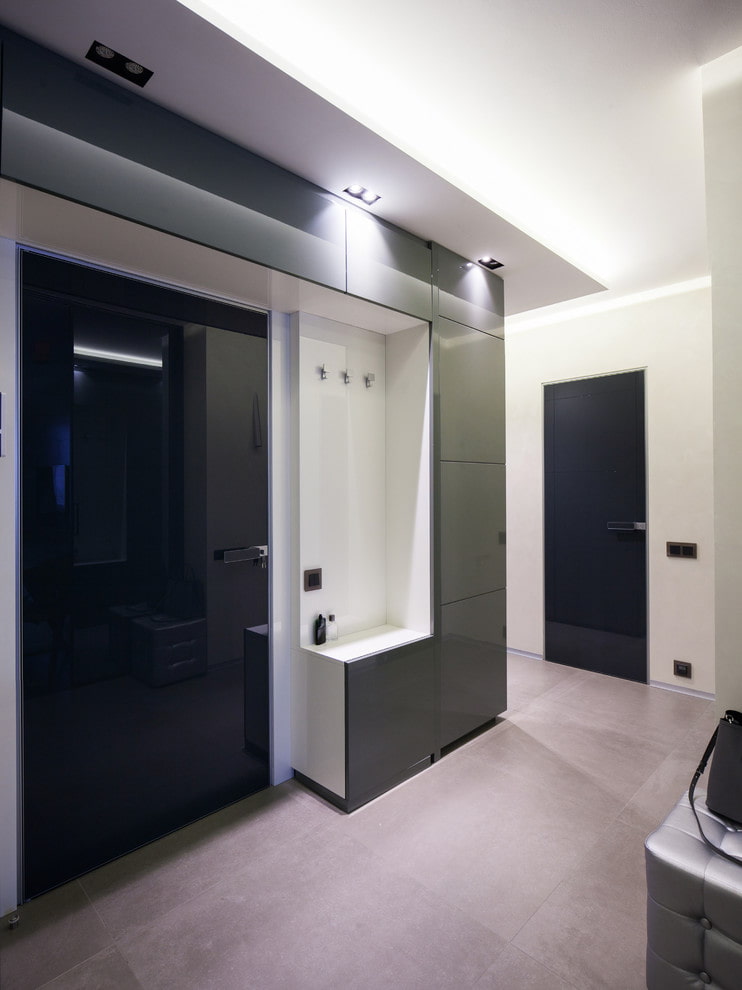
x: 364, y: 484
x: 362, y: 513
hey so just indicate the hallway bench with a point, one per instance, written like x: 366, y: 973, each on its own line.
x: 694, y: 903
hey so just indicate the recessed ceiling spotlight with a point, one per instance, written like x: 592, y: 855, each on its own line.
x: 119, y: 64
x: 487, y: 262
x: 361, y: 192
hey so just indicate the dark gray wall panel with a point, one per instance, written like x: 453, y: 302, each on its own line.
x: 472, y: 529
x: 40, y: 156
x: 473, y: 664
x: 390, y: 718
x: 389, y: 266
x: 72, y: 133
x: 469, y: 294
x: 472, y: 394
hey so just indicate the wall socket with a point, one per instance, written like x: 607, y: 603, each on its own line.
x: 682, y: 668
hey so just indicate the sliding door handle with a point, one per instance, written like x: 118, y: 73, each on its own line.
x: 626, y: 527
x: 235, y: 555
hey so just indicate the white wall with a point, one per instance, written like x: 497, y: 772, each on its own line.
x: 342, y: 475
x: 364, y: 475
x: 670, y: 337
x: 408, y: 468
x: 722, y: 112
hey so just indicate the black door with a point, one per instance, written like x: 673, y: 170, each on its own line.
x: 595, y: 525
x: 145, y: 511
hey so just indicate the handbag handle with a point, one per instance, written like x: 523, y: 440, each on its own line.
x: 691, y: 791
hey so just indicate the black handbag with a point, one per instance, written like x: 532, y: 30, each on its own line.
x: 724, y: 796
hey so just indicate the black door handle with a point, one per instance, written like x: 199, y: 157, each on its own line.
x: 233, y: 555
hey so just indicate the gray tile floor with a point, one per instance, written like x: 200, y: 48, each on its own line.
x: 515, y: 862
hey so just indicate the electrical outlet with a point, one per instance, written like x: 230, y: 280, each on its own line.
x: 681, y: 668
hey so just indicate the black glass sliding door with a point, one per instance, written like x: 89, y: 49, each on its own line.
x: 144, y: 506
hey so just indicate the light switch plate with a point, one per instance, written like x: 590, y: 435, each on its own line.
x: 313, y: 579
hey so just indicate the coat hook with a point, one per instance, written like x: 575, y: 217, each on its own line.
x: 348, y: 376
x: 323, y: 372
x: 370, y: 379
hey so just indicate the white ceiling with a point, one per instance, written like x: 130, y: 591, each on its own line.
x: 563, y: 138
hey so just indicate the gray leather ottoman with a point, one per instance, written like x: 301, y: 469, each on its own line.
x: 694, y: 903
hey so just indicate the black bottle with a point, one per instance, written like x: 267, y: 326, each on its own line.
x: 320, y: 630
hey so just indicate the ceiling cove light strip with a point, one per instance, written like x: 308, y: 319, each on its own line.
x: 531, y: 320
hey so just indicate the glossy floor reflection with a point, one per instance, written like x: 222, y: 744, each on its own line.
x: 516, y: 861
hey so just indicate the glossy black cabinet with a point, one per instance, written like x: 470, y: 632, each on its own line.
x: 470, y: 482
x: 472, y: 394
x: 368, y: 723
x: 473, y: 668
x: 468, y: 294
x: 472, y: 529
x: 390, y: 724
x: 388, y: 265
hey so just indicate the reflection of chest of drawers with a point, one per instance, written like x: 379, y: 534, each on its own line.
x: 166, y: 649
x: 120, y: 618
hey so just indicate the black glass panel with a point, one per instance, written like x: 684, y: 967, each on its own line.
x: 144, y: 456
x: 595, y: 540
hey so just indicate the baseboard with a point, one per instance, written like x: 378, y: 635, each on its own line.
x: 683, y: 690
x: 658, y: 684
x: 524, y: 653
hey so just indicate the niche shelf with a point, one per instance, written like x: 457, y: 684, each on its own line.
x: 365, y: 643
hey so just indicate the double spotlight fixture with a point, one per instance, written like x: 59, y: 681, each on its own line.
x: 367, y: 196
x: 490, y: 263
x: 119, y: 64
x: 486, y: 262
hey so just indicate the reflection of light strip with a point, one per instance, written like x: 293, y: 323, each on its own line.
x: 91, y: 352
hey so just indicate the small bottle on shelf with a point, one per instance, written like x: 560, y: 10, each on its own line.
x: 332, y: 627
x: 320, y: 630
